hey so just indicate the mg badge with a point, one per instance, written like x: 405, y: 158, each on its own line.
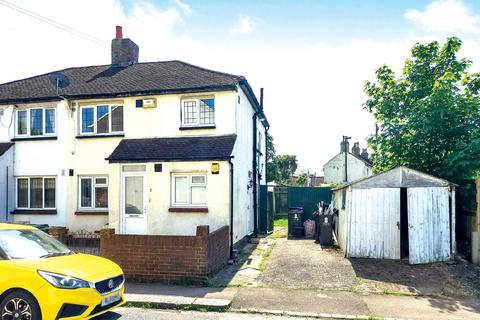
x: 110, y: 284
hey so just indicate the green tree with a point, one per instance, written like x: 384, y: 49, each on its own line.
x: 428, y: 117
x: 272, y: 168
x: 287, y: 165
x: 302, y: 179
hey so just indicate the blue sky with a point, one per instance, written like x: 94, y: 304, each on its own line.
x: 312, y: 57
x: 301, y: 20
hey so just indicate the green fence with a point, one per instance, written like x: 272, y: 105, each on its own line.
x: 265, y: 216
x: 308, y: 198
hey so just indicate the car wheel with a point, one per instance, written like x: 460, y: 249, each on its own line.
x: 19, y: 305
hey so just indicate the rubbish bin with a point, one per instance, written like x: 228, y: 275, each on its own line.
x: 316, y: 218
x: 325, y: 226
x: 295, y: 222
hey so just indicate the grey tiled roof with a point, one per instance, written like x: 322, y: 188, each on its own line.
x: 174, y: 149
x: 4, y: 147
x: 113, y: 81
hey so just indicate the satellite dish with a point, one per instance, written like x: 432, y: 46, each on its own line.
x: 59, y: 80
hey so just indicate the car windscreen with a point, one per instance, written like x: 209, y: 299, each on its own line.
x: 30, y: 244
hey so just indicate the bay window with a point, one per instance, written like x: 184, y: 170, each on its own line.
x: 36, y: 122
x: 36, y: 192
x: 93, y: 193
x: 101, y: 119
x: 189, y: 190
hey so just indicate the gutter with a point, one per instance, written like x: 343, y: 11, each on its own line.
x: 255, y: 166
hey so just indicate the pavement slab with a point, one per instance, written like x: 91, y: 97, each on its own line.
x: 421, y: 308
x: 304, y: 301
x: 182, y: 291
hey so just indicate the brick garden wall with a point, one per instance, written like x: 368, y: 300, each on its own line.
x: 170, y: 259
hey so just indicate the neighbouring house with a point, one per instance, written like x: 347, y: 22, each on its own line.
x: 145, y: 148
x: 400, y: 213
x: 6, y: 178
x: 358, y: 164
x: 312, y: 181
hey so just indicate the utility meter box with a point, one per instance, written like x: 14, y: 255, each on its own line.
x: 146, y: 103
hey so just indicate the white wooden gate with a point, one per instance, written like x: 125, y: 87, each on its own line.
x: 428, y: 224
x: 374, y: 222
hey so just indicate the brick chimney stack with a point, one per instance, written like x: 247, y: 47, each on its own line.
x: 356, y: 148
x: 365, y: 154
x: 124, y: 50
x: 343, y: 145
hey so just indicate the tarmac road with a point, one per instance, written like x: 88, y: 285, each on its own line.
x: 152, y: 314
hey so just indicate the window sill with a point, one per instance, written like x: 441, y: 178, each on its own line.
x: 93, y: 136
x: 34, y: 211
x: 91, y: 213
x: 198, y: 127
x: 188, y: 209
x: 34, y: 138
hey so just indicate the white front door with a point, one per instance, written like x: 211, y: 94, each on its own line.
x: 134, y: 204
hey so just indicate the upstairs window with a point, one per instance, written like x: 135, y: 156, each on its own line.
x: 102, y: 119
x: 36, y: 122
x: 198, y: 112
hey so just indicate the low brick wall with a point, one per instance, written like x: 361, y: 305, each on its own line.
x: 170, y: 259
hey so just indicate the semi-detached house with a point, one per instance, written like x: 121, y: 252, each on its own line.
x: 145, y: 148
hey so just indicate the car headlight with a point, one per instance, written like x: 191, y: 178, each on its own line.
x: 64, y: 282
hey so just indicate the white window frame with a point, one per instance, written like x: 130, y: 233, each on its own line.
x: 28, y: 192
x: 44, y: 123
x: 94, y: 107
x: 94, y: 185
x: 190, y: 184
x: 197, y: 111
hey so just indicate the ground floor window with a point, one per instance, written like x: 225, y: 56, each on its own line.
x: 93, y: 192
x: 36, y: 192
x: 189, y: 189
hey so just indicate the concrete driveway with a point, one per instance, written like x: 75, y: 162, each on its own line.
x: 300, y: 276
x: 304, y: 264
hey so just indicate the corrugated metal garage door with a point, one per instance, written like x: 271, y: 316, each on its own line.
x: 374, y: 216
x: 428, y: 222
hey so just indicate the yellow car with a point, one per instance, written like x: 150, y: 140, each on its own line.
x: 41, y: 279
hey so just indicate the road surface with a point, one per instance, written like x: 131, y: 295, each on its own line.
x: 149, y: 314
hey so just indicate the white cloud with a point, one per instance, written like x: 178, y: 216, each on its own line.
x: 445, y: 15
x: 184, y: 6
x: 244, y: 25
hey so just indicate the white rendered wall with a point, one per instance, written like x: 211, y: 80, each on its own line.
x: 6, y: 184
x: 334, y: 170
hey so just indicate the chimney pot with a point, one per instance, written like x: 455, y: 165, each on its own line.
x: 118, y: 32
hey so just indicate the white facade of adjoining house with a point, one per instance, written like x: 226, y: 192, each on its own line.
x: 6, y: 184
x: 67, y: 156
x: 334, y: 170
x: 396, y: 214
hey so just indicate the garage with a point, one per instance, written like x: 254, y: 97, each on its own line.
x: 398, y: 214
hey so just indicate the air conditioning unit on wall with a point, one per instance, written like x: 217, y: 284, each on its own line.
x: 146, y: 103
